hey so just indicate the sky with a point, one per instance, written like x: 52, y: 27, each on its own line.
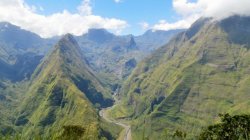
x: 132, y: 11
x: 57, y: 17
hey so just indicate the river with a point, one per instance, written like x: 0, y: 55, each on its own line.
x: 127, y: 129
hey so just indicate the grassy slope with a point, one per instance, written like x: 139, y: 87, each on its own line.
x: 55, y: 98
x: 185, y: 84
x: 10, y: 96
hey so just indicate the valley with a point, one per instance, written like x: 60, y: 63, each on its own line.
x: 60, y: 86
x: 126, y: 133
x: 183, y: 84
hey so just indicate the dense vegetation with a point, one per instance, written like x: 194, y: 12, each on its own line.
x: 230, y: 128
x: 62, y: 92
x: 184, y: 85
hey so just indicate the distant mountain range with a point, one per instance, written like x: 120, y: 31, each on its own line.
x: 108, y: 53
x: 105, y: 52
x: 20, y: 51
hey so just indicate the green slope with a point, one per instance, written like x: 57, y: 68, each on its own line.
x: 63, y: 92
x: 10, y: 96
x: 185, y: 85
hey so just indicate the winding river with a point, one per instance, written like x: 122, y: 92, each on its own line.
x: 126, y: 133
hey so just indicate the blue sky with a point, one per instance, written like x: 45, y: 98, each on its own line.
x: 132, y: 11
x: 49, y: 18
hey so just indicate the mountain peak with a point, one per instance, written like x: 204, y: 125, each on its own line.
x: 69, y: 44
x: 131, y: 44
x: 132, y: 41
x: 5, y: 25
x: 196, y: 26
x: 99, y: 35
x: 67, y: 82
x: 68, y: 35
x: 69, y: 38
x: 98, y: 30
x: 65, y: 55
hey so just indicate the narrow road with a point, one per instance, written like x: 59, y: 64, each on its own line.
x: 127, y: 128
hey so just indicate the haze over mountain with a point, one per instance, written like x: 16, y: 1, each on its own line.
x: 108, y: 53
x: 21, y: 50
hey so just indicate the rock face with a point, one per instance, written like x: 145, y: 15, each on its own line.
x: 130, y: 63
x: 200, y: 73
x: 128, y: 67
x: 132, y: 44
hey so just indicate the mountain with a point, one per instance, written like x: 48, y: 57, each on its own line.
x: 22, y: 69
x: 63, y: 93
x: 108, y: 54
x: 99, y: 35
x: 185, y: 84
x: 20, y: 52
x: 45, y: 90
x: 153, y: 39
x: 14, y: 38
x: 12, y: 35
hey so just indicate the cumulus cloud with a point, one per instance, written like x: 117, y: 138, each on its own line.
x: 85, y: 8
x: 212, y: 8
x: 144, y: 25
x: 180, y: 24
x: 191, y: 11
x: 23, y: 15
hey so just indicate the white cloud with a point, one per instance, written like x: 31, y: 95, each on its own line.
x: 185, y: 8
x: 212, y: 8
x: 85, y: 8
x: 191, y: 11
x: 23, y: 15
x: 180, y: 24
x: 144, y: 25
x: 118, y: 1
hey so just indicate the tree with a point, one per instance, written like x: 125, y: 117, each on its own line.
x: 180, y: 135
x: 231, y: 128
x: 72, y: 132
